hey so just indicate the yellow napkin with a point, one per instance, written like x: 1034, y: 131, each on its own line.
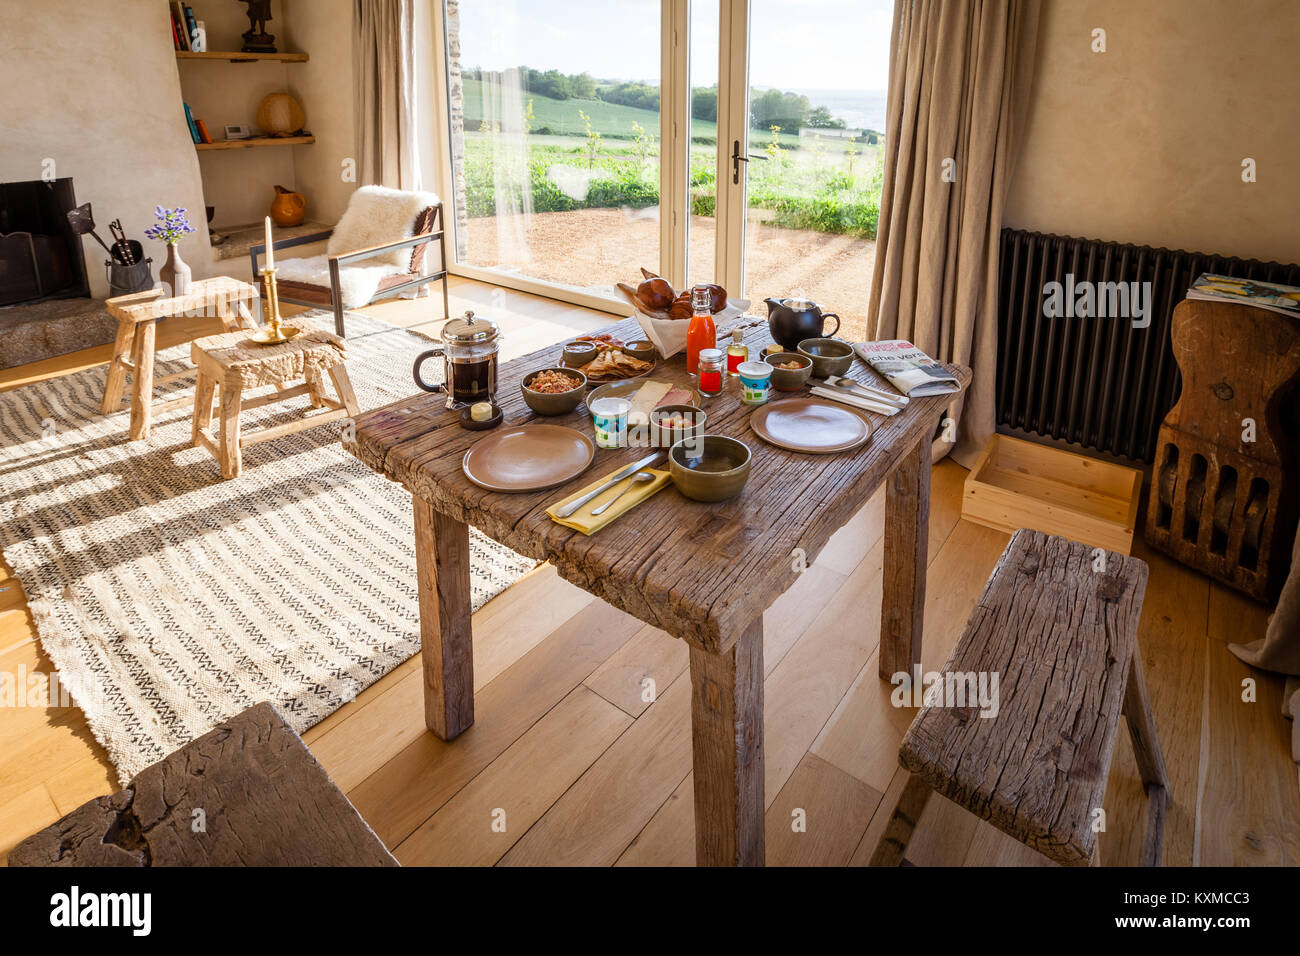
x: 583, y: 520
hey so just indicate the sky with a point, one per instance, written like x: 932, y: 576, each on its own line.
x: 794, y: 44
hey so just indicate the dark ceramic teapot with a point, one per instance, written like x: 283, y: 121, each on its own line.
x: 793, y: 320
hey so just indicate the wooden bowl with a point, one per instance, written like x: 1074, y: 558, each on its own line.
x: 789, y: 379
x: 554, y: 403
x: 710, y: 468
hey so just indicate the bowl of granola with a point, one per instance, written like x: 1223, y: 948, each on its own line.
x: 790, y: 370
x: 554, y: 391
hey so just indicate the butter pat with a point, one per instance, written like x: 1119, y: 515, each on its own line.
x: 480, y: 411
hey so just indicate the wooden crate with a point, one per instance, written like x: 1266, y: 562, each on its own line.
x: 1018, y: 484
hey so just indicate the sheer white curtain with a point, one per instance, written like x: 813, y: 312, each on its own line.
x: 386, y: 85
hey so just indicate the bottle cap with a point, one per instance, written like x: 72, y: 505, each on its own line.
x: 710, y: 355
x: 738, y: 336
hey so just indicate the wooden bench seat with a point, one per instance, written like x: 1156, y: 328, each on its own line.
x: 1057, y: 623
x: 247, y: 793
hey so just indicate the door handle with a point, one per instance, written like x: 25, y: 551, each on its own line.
x: 736, y: 160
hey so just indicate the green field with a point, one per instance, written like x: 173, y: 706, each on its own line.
x: 824, y: 185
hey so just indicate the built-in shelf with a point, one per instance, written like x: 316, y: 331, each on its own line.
x: 256, y: 142
x: 242, y: 57
x: 238, y: 238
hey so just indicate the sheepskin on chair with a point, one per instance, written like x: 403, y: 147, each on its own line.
x: 375, y: 215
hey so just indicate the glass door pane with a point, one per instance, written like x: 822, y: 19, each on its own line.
x: 817, y: 75
x: 702, y: 184
x: 555, y: 135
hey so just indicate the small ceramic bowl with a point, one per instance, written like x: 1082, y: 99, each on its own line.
x: 711, y: 468
x: 789, y: 379
x: 663, y: 436
x: 554, y: 403
x: 829, y: 356
x: 467, y: 419
x: 579, y: 353
x: 643, y: 350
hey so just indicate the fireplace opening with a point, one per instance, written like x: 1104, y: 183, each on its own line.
x: 40, y: 256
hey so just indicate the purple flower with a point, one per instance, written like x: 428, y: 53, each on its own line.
x: 172, y: 224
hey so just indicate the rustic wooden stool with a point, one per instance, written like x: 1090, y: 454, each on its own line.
x: 226, y: 299
x: 233, y: 363
x: 1059, y: 627
x: 246, y: 793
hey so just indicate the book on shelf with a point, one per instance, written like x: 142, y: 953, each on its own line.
x: 179, y: 27
x: 1263, y: 295
x: 191, y: 26
x: 189, y: 120
x: 204, y: 136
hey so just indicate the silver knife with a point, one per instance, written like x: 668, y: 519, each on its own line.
x: 876, y: 394
x: 622, y: 473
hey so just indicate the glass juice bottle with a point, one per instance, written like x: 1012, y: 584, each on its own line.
x: 737, y: 353
x: 700, y: 334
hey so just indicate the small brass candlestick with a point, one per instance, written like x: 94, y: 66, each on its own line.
x: 273, y: 333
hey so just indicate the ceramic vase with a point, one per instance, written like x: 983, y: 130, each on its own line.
x: 175, y: 272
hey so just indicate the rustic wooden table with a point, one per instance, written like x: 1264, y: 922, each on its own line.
x: 137, y: 315
x: 702, y: 572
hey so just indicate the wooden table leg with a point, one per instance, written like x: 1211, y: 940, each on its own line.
x: 446, y: 640
x: 727, y: 742
x: 907, y: 530
x: 142, y: 387
x: 117, y: 367
x: 232, y: 460
x: 343, y: 385
x: 1150, y: 759
x: 203, y: 391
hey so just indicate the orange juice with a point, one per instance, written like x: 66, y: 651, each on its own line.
x: 701, y: 333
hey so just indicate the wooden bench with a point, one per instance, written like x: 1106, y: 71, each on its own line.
x: 247, y: 793
x: 1058, y: 623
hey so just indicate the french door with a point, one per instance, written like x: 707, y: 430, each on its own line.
x: 586, y: 141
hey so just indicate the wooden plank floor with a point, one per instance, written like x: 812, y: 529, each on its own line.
x: 581, y: 749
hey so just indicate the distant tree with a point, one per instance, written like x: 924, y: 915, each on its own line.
x: 769, y: 108
x: 552, y: 83
x: 642, y: 96
x: 704, y: 103
x: 582, y: 86
x: 820, y: 118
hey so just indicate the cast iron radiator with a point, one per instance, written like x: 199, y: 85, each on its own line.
x: 1096, y: 382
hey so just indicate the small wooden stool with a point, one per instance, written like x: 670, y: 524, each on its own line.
x: 1062, y: 636
x: 264, y: 801
x: 233, y: 363
x: 221, y: 297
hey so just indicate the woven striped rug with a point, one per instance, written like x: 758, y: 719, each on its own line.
x: 170, y: 600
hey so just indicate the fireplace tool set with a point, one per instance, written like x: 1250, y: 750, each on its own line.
x: 126, y: 268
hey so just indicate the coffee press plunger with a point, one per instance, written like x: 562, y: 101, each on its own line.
x: 469, y: 352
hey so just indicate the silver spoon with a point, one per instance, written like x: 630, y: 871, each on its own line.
x: 640, y: 478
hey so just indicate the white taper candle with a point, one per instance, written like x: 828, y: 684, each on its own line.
x: 270, y: 248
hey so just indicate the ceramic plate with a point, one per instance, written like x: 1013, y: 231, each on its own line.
x: 810, y: 425
x: 528, y: 458
x: 628, y: 388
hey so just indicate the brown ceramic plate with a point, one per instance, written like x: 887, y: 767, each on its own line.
x: 810, y: 425
x: 528, y: 458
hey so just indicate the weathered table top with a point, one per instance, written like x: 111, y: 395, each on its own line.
x: 702, y: 572
x: 234, y: 357
x: 214, y: 296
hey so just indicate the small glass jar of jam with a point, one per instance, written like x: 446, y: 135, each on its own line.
x: 712, y: 371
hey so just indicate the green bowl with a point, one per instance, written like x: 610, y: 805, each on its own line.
x: 789, y: 379
x: 710, y: 468
x: 554, y: 403
x: 829, y: 356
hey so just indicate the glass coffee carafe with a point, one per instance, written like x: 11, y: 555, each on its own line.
x: 469, y: 353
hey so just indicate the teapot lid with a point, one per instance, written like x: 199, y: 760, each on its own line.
x: 468, y: 330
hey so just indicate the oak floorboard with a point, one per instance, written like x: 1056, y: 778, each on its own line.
x: 834, y: 809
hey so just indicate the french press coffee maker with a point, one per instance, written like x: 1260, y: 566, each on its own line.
x: 469, y: 354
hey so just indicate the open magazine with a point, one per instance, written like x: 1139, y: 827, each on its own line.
x: 907, y: 368
x: 1264, y: 295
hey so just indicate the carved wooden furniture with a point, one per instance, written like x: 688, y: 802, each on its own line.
x: 246, y: 793
x: 229, y: 300
x: 702, y: 572
x: 1223, y: 459
x: 1060, y: 631
x: 232, y: 363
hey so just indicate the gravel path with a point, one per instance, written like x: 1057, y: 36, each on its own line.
x: 597, y: 247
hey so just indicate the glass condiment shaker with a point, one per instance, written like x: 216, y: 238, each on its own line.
x: 711, y: 372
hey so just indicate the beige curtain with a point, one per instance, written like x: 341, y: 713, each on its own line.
x: 383, y: 61
x: 959, y: 75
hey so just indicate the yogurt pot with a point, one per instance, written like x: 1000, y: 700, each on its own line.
x: 609, y: 419
x: 755, y: 382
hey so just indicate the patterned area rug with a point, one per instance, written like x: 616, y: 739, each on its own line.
x: 170, y: 600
